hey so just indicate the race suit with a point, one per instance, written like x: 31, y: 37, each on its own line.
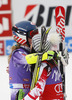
x: 47, y: 88
x: 19, y: 72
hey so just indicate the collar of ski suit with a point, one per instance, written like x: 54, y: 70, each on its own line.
x: 25, y: 47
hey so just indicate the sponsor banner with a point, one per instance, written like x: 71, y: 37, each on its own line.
x: 42, y: 14
x: 5, y: 5
x: 68, y: 43
x: 2, y: 49
x: 5, y: 25
x: 9, y: 44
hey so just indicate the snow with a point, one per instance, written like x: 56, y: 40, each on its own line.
x: 4, y: 79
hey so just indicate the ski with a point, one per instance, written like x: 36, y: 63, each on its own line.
x: 44, y: 34
x: 60, y: 28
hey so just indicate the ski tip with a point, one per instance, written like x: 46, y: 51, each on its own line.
x: 48, y: 30
x: 60, y: 7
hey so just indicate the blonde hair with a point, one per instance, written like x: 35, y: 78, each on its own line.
x: 17, y: 46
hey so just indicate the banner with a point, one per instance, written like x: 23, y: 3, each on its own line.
x: 9, y: 44
x: 5, y: 18
x: 5, y: 25
x: 5, y: 5
x: 68, y: 43
x: 5, y: 45
x: 43, y: 14
x: 2, y: 48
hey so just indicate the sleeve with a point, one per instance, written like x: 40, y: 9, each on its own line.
x: 19, y: 58
x: 39, y: 88
x: 32, y: 58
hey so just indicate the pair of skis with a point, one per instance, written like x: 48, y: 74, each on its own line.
x: 44, y: 34
x: 60, y: 23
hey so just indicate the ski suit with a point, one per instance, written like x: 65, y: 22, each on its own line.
x: 19, y: 72
x: 47, y: 88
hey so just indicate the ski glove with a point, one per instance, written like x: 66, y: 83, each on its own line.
x: 20, y: 95
x: 65, y: 55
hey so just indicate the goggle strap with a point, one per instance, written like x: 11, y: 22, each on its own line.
x: 14, y: 29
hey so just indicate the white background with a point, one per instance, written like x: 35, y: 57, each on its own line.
x: 4, y: 79
x: 18, y: 10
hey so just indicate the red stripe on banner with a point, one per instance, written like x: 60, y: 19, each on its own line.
x: 5, y: 5
x: 29, y: 8
x: 2, y: 48
x: 5, y: 25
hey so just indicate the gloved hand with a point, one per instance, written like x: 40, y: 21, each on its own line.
x: 65, y: 55
x: 20, y: 95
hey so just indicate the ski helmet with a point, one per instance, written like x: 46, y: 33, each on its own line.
x: 24, y: 30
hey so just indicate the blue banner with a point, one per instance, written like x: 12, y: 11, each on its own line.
x: 68, y: 43
x: 9, y: 44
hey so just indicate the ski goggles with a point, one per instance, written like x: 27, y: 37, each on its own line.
x: 18, y: 31
x: 30, y: 34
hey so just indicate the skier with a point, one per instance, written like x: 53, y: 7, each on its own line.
x: 49, y: 86
x: 19, y: 69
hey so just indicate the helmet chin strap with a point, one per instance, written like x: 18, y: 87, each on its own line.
x: 28, y: 44
x: 27, y: 41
